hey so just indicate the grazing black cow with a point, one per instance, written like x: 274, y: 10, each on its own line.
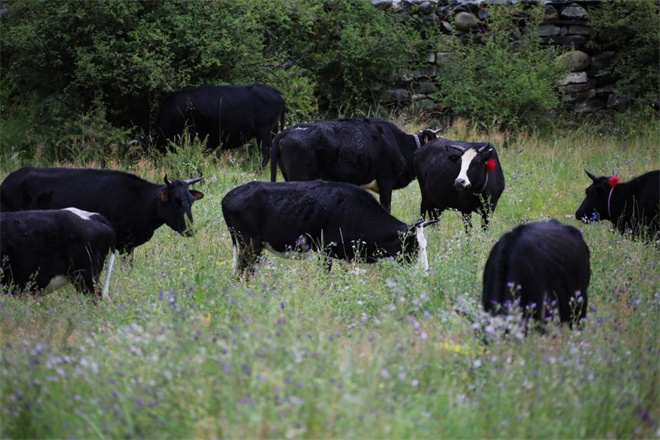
x: 372, y: 153
x: 633, y: 205
x: 231, y: 115
x: 340, y: 220
x: 465, y: 176
x: 48, y: 248
x: 544, y: 266
x: 134, y: 207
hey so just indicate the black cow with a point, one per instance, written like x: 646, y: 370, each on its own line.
x: 340, y: 220
x: 48, y: 248
x: 231, y: 115
x: 633, y: 205
x: 134, y: 207
x: 465, y: 176
x: 372, y: 153
x: 544, y: 266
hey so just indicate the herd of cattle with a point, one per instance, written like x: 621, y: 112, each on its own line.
x: 60, y: 224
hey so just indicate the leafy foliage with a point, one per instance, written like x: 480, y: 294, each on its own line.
x: 631, y: 29
x: 505, y: 78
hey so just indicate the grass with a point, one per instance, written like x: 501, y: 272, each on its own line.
x: 364, y: 351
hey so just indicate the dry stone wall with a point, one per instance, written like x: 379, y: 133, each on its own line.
x: 565, y: 25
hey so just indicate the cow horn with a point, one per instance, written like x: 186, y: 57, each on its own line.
x: 436, y: 132
x: 191, y: 181
x: 591, y: 175
x: 457, y: 147
x: 167, y: 181
x: 482, y: 149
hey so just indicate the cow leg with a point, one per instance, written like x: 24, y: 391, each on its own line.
x: 385, y: 194
x: 248, y: 256
x: 263, y: 142
x: 484, y: 218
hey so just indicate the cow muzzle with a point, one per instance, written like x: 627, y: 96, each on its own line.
x: 462, y: 184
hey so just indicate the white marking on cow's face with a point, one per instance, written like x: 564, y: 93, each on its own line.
x: 462, y: 180
x: 56, y: 282
x: 234, y: 264
x: 371, y: 186
x: 421, y: 241
x: 80, y: 213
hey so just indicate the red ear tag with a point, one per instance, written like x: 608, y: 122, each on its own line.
x: 490, y: 165
x: 613, y: 181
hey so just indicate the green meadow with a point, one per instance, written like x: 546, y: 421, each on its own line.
x: 184, y: 349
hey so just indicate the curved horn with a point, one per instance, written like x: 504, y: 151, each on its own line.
x: 436, y: 132
x: 482, y: 149
x: 191, y: 181
x: 457, y: 147
x: 591, y: 175
x: 167, y: 181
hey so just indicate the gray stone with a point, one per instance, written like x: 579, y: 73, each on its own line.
x: 574, y: 88
x: 574, y: 60
x: 425, y: 88
x: 424, y: 105
x: 445, y: 28
x: 580, y: 30
x: 617, y: 101
x: 395, y: 95
x: 548, y: 30
x: 574, y: 12
x: 426, y: 7
x: 430, y: 57
x: 382, y: 4
x: 589, y: 106
x: 601, y: 61
x: 465, y: 21
x: 573, y: 78
x: 407, y: 76
x: 550, y: 13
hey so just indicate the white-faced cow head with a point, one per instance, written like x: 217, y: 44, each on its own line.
x: 175, y: 204
x: 475, y: 163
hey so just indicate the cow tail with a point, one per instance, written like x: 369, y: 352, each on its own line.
x: 273, y: 158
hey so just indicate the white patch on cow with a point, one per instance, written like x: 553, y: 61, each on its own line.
x: 234, y: 264
x: 80, y: 213
x: 421, y: 241
x: 109, y: 264
x: 466, y: 160
x: 371, y: 186
x: 56, y: 282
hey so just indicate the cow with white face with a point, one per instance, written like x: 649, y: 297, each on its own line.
x: 466, y: 176
x: 339, y: 220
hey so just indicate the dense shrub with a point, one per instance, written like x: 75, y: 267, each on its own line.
x: 631, y: 29
x: 124, y: 56
x: 505, y: 77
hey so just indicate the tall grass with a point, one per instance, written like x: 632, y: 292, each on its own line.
x: 364, y: 351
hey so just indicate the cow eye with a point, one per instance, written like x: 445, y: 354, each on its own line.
x: 454, y: 157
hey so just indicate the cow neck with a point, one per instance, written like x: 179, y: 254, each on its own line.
x: 483, y: 187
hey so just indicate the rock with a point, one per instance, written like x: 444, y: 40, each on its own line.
x: 382, y: 4
x: 444, y: 12
x: 550, y: 13
x: 574, y: 60
x: 601, y: 61
x: 574, y: 12
x: 425, y: 88
x: 580, y: 30
x: 465, y: 21
x: 589, y: 106
x: 430, y: 57
x: 407, y: 76
x: 574, y: 88
x: 426, y: 7
x: 445, y: 28
x: 424, y: 105
x: 573, y: 78
x: 548, y: 30
x: 395, y: 95
x: 483, y: 14
x: 617, y: 101
x: 569, y: 41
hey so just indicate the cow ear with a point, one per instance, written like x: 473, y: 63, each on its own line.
x: 163, y: 195
x: 486, y: 152
x: 197, y: 195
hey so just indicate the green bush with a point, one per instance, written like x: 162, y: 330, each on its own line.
x: 631, y: 29
x: 499, y: 82
x: 123, y: 57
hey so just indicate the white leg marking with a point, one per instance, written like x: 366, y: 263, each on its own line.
x: 56, y: 282
x: 85, y: 215
x: 109, y: 264
x: 421, y: 241
x: 234, y: 264
x: 466, y: 160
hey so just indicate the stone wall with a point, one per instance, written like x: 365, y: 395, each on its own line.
x: 566, y: 25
